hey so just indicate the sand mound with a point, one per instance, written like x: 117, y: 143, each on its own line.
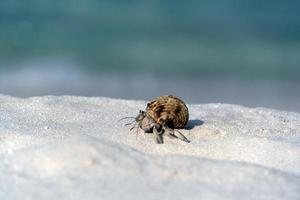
x: 75, y: 148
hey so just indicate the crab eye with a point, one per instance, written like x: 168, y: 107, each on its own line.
x: 142, y: 112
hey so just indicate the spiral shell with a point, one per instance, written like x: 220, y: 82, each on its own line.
x: 168, y: 111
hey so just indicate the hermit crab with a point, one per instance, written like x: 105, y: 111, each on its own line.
x: 164, y: 116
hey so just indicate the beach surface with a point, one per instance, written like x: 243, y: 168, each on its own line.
x: 68, y: 147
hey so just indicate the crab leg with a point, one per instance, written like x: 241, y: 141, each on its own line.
x: 176, y: 134
x: 181, y: 136
x: 158, y: 135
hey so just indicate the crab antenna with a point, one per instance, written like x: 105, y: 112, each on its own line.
x: 126, y: 118
x: 133, y: 127
x: 129, y: 123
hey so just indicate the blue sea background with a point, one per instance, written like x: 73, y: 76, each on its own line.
x: 244, y: 52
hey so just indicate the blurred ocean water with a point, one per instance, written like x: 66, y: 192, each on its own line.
x: 64, y: 78
x: 245, y: 52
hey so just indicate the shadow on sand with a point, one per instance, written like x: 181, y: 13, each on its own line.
x: 193, y: 122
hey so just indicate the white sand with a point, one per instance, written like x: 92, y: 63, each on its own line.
x: 75, y: 148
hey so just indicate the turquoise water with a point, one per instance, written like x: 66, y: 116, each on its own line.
x: 234, y: 39
x: 245, y: 52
